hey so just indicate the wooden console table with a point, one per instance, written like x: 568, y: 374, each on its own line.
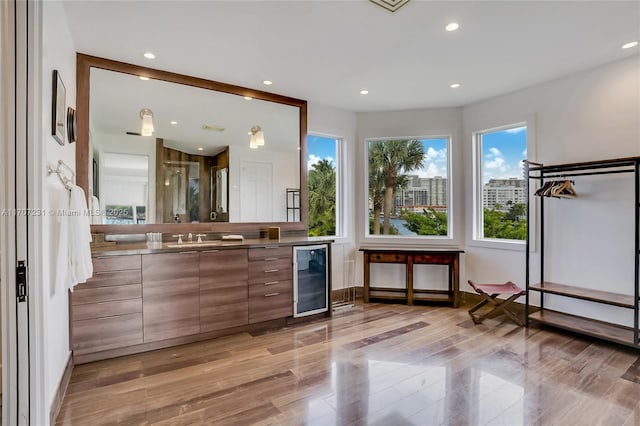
x: 410, y: 257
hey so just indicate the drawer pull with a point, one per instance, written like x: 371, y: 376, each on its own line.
x: 271, y: 294
x: 267, y: 259
x: 271, y: 270
x: 210, y: 251
x: 187, y: 252
x: 271, y: 282
x: 271, y: 247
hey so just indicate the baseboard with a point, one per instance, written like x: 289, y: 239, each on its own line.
x: 56, y: 404
x: 341, y: 293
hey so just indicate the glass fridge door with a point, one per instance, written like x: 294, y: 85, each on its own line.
x: 310, y: 280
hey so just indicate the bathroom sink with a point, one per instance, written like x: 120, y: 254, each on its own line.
x: 202, y: 244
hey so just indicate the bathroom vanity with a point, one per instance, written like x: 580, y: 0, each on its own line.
x: 142, y: 298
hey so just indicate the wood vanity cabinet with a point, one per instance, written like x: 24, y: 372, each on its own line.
x: 106, y: 311
x: 170, y: 295
x: 224, y: 290
x: 270, y: 283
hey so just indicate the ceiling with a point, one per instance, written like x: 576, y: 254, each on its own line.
x: 327, y: 51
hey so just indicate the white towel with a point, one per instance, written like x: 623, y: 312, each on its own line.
x: 77, y: 230
x: 97, y: 217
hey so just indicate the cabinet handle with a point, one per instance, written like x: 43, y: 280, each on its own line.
x: 267, y: 259
x: 209, y: 251
x: 271, y: 270
x: 187, y: 252
x: 271, y: 282
x: 271, y: 294
x: 271, y: 247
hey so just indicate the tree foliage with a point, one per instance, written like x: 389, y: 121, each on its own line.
x: 510, y: 225
x: 429, y: 222
x: 322, y: 199
x: 389, y: 160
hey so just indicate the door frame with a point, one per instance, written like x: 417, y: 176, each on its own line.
x: 21, y: 234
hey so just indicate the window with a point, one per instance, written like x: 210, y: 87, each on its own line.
x: 501, y: 197
x: 409, y: 187
x: 323, y: 183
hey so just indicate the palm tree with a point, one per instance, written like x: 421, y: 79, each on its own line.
x: 392, y: 159
x: 376, y: 182
x: 322, y: 199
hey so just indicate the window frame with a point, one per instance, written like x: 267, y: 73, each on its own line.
x: 477, y: 231
x: 434, y: 240
x: 340, y: 183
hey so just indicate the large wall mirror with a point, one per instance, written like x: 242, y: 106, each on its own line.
x: 199, y: 168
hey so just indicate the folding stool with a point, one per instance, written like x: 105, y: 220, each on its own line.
x: 490, y: 293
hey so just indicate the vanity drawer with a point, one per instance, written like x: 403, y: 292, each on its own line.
x: 107, y: 309
x: 265, y: 272
x: 101, y: 334
x: 270, y: 253
x: 82, y: 296
x: 112, y: 278
x: 263, y: 289
x: 270, y: 306
x: 222, y: 266
x: 116, y: 263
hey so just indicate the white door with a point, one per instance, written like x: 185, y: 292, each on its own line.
x: 17, y: 87
x: 256, y: 200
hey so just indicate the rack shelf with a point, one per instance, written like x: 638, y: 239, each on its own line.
x: 629, y: 336
x: 598, y: 296
x: 590, y: 327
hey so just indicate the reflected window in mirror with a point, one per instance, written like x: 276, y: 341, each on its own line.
x: 323, y: 180
x: 124, y: 187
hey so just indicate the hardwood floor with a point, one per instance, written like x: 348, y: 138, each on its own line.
x: 376, y: 364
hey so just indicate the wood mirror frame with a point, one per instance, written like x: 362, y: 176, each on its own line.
x: 84, y: 63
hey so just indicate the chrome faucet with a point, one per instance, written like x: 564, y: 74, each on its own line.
x: 199, y: 237
x: 179, y: 238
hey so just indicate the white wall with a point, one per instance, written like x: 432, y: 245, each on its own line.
x: 327, y: 121
x: 591, y: 115
x: 58, y: 53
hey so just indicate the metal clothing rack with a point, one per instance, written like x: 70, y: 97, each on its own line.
x: 629, y: 336
x: 68, y: 182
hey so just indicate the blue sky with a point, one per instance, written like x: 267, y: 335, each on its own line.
x: 320, y: 148
x: 502, y: 153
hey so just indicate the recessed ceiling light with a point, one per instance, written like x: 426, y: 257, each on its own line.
x: 174, y: 123
x: 455, y: 85
x: 200, y: 148
x: 149, y: 55
x: 364, y: 92
x: 452, y: 26
x: 143, y: 78
x: 267, y: 82
x: 630, y: 45
x: 248, y: 98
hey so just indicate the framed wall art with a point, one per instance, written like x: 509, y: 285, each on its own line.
x: 71, y: 125
x: 58, y: 108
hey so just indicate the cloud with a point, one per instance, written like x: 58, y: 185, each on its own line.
x: 314, y: 159
x: 495, y: 160
x: 516, y: 129
x: 524, y: 153
x: 496, y: 163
